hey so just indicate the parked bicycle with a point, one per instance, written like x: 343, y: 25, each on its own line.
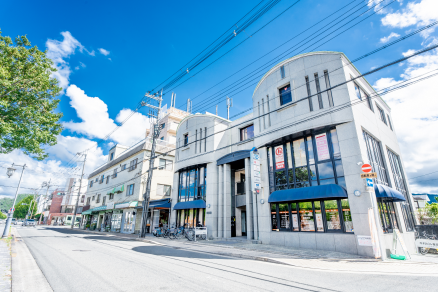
x: 425, y: 250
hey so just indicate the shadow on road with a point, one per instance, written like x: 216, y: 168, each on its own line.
x: 172, y: 252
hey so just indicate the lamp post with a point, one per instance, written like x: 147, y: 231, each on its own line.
x: 9, y: 173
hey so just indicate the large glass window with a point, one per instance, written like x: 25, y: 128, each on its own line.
x: 307, y: 161
x: 376, y: 159
x: 332, y: 215
x: 388, y: 216
x: 312, y: 216
x: 192, y: 184
x: 400, y: 185
x: 382, y: 114
x: 306, y: 216
x: 285, y: 95
x: 247, y: 133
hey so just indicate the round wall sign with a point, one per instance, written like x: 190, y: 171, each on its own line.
x: 208, y: 206
x: 262, y: 201
x: 357, y: 193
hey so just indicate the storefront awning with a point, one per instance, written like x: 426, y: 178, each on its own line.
x: 119, y: 189
x: 160, y: 204
x: 88, y: 212
x: 330, y: 191
x: 388, y: 193
x: 198, y: 204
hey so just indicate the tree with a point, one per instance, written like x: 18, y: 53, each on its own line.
x: 2, y: 216
x: 428, y: 214
x: 22, y: 207
x: 27, y: 98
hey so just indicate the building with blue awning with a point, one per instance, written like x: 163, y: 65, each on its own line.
x: 289, y: 172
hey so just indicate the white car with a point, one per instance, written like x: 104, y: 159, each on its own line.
x: 29, y: 222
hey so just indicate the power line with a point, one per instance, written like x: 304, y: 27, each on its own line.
x: 269, y: 64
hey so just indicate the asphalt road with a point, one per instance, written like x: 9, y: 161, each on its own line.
x: 73, y: 261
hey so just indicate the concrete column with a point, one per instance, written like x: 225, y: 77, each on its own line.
x: 220, y: 203
x: 248, y: 193
x: 227, y: 200
x: 175, y: 188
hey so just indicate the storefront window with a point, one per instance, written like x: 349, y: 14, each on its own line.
x: 284, y: 216
x: 388, y: 216
x: 332, y: 215
x: 318, y: 216
x: 294, y: 213
x: 274, y: 217
x: 346, y: 212
x: 306, y: 216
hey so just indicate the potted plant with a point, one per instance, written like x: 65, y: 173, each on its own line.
x: 87, y: 227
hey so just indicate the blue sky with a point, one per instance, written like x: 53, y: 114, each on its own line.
x: 111, y: 53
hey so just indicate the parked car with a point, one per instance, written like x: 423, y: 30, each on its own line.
x: 14, y: 221
x: 29, y: 222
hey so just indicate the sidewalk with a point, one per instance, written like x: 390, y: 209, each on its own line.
x: 301, y: 258
x: 5, y: 265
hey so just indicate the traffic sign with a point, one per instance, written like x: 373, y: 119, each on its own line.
x: 369, y: 183
x: 366, y: 168
x: 368, y: 175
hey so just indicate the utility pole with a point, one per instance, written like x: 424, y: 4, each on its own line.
x: 10, y: 172
x: 189, y: 106
x: 229, y: 104
x: 79, y: 193
x: 30, y: 206
x: 45, y: 184
x: 154, y: 103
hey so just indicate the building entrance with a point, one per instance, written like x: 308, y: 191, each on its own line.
x: 243, y: 222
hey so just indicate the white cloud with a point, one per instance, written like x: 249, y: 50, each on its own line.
x: 58, y: 51
x: 96, y: 122
x: 379, y: 4
x: 416, y: 13
x: 391, y: 36
x: 415, y: 117
x: 52, y: 168
x: 104, y: 52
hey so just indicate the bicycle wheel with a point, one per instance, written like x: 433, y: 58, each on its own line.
x: 191, y: 235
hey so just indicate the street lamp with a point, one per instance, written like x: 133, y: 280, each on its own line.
x: 10, y: 172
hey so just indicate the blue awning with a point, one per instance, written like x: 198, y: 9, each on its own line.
x: 385, y: 192
x: 330, y: 191
x: 198, y: 204
x: 165, y: 203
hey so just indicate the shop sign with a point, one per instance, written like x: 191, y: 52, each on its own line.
x: 368, y: 175
x: 256, y: 167
x: 364, y: 240
x: 319, y: 223
x: 279, y: 157
x: 429, y: 243
x: 255, y: 174
x: 322, y: 147
x: 123, y: 205
x: 110, y: 206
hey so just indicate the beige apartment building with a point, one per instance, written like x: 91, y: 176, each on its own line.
x: 115, y: 190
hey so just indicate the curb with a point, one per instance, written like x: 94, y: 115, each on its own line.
x: 267, y: 259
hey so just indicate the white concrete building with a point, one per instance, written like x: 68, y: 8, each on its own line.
x: 313, y: 128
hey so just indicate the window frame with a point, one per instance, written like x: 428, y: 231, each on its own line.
x: 282, y: 95
x: 129, y: 190
x: 199, y: 190
x: 186, y: 139
x: 290, y: 170
x: 381, y: 114
x: 244, y: 132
